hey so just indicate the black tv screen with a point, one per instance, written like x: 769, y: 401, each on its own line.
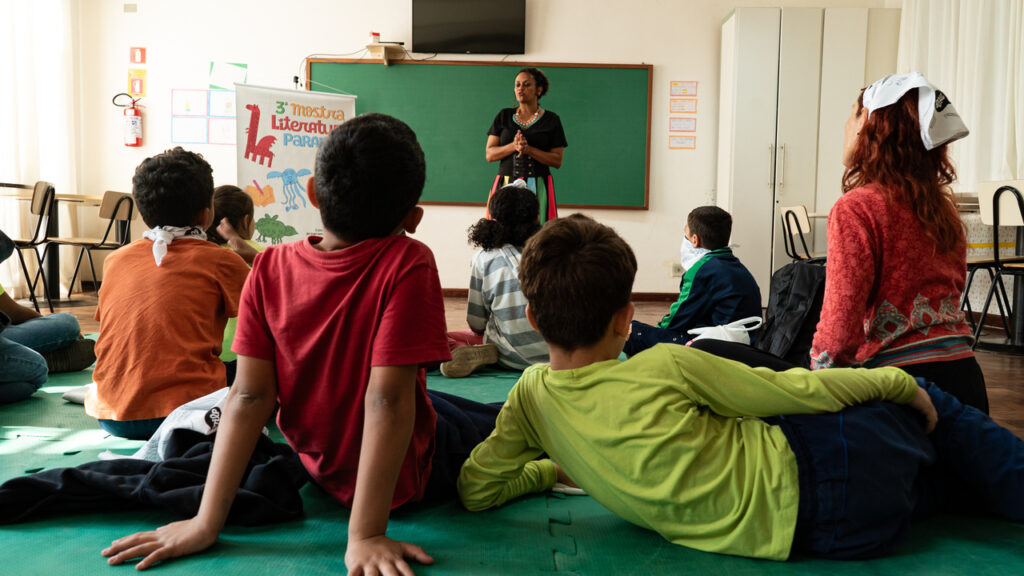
x: 469, y: 26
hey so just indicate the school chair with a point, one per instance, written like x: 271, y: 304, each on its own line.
x: 40, y: 206
x: 117, y: 208
x: 795, y: 223
x: 986, y: 264
x: 1000, y: 204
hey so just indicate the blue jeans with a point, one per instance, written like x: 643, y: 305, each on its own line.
x: 22, y: 368
x: 866, y: 471
x: 22, y: 371
x: 45, y: 334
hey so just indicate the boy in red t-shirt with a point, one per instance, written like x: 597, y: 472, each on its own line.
x: 337, y: 330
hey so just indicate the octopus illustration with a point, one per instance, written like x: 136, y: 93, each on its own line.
x: 293, y: 190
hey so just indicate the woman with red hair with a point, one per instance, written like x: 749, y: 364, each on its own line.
x: 896, y: 245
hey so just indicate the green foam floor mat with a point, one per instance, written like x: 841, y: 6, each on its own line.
x: 542, y: 534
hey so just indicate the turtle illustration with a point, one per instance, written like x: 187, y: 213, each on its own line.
x: 272, y: 228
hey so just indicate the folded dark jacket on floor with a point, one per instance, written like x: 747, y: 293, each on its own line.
x: 269, y: 490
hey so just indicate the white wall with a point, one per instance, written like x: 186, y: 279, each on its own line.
x: 680, y: 38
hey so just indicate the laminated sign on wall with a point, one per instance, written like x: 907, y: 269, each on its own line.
x: 279, y: 132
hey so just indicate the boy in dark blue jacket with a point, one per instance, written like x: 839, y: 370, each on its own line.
x: 716, y: 288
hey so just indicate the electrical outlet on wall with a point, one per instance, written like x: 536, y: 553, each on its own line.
x: 677, y: 270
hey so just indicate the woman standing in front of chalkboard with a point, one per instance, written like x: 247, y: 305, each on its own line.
x: 529, y: 141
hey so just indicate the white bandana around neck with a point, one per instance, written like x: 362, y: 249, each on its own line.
x: 162, y: 236
x: 940, y: 123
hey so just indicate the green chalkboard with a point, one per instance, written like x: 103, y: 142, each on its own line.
x: 605, y: 111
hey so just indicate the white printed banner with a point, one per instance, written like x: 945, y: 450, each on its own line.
x: 278, y: 133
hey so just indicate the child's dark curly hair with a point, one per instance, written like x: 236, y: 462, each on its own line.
x: 514, y: 210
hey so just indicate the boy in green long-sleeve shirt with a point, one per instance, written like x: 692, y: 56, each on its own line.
x: 716, y: 455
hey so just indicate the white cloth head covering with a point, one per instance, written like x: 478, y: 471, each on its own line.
x: 940, y: 123
x: 162, y: 236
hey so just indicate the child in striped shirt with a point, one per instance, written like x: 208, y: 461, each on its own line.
x: 499, y: 331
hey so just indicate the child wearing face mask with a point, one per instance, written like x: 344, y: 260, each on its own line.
x: 716, y: 288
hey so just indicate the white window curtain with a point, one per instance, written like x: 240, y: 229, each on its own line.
x: 973, y: 50
x: 37, y: 119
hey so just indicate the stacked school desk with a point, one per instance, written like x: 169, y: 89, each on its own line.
x: 541, y: 534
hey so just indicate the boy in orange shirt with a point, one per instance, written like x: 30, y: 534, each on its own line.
x: 164, y: 301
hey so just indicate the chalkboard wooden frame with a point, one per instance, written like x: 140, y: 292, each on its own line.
x: 622, y: 133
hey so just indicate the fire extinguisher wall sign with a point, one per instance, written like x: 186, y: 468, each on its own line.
x: 132, y: 130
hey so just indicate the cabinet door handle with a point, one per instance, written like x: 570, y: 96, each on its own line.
x: 782, y: 164
x: 771, y: 164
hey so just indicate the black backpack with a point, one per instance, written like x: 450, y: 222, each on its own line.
x: 794, y: 306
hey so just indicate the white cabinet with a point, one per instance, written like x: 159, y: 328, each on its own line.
x: 788, y: 78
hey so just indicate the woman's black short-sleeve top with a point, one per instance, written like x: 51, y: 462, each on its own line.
x: 545, y: 134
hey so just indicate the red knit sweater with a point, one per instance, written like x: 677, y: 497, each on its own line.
x: 890, y: 299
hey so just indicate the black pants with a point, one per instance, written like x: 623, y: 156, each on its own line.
x: 742, y: 353
x: 961, y: 378
x: 461, y: 425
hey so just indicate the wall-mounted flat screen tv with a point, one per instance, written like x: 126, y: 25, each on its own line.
x: 469, y: 26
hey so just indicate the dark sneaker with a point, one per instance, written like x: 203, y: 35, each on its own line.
x: 77, y: 356
x: 466, y: 359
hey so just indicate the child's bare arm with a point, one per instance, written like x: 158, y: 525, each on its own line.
x: 389, y: 413
x: 248, y: 406
x: 236, y: 242
x: 16, y: 312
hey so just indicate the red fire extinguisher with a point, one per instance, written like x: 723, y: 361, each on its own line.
x: 132, y: 129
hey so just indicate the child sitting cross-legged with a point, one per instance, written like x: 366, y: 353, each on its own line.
x: 496, y: 313
x: 337, y: 330
x: 164, y: 301
x: 33, y: 346
x: 716, y: 287
x: 713, y: 454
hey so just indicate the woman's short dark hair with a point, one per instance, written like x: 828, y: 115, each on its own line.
x: 514, y: 212
x: 232, y: 203
x: 576, y: 274
x: 369, y: 174
x: 538, y: 78
x: 172, y: 188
